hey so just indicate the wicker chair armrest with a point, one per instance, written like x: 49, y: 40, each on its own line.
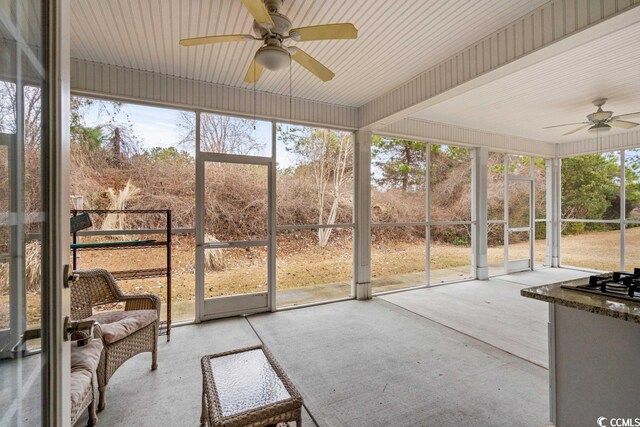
x: 97, y: 331
x: 84, y: 331
x: 142, y: 302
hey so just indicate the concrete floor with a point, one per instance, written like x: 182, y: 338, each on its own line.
x: 334, y: 291
x: 460, y: 354
x: 184, y: 311
x: 376, y: 364
x: 492, y: 310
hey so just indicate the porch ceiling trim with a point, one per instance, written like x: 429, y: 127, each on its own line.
x: 103, y: 80
x: 514, y: 47
x: 446, y: 134
x: 618, y: 141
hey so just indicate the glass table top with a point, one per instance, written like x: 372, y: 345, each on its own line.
x: 246, y: 381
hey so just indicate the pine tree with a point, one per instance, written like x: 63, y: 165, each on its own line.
x: 401, y: 162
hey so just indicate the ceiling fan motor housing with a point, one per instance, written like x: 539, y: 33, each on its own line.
x: 600, y: 116
x: 273, y: 5
x: 601, y: 121
x: 273, y: 55
x: 282, y: 26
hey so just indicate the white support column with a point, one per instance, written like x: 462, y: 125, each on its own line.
x: 505, y: 212
x: 362, y: 215
x: 427, y: 206
x: 199, y: 226
x: 479, y: 188
x: 273, y: 235
x: 548, y: 259
x: 623, y: 212
x: 554, y: 210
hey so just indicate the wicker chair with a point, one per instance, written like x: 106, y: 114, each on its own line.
x: 124, y: 333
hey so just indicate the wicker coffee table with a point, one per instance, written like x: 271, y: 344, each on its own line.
x: 247, y: 387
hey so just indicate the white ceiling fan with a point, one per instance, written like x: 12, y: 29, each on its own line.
x: 275, y: 31
x: 601, y: 121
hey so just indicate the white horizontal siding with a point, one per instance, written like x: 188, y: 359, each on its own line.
x: 424, y: 130
x: 110, y: 81
x: 447, y: 134
x: 629, y: 139
x: 554, y: 21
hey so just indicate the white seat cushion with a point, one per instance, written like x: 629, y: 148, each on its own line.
x: 84, y: 361
x: 117, y: 325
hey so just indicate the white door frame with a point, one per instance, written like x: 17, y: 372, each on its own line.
x: 49, y: 69
x: 514, y: 266
x: 233, y: 305
x: 57, y: 300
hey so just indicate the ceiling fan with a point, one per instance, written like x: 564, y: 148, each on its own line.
x: 601, y: 121
x: 274, y: 30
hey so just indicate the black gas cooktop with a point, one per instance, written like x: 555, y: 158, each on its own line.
x: 618, y: 284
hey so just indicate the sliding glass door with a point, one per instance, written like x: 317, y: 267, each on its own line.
x: 34, y: 358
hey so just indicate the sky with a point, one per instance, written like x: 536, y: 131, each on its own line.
x: 155, y: 127
x: 158, y: 127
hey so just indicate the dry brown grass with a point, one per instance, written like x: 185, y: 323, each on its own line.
x: 301, y: 263
x: 601, y: 250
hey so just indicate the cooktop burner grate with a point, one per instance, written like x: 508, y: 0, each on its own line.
x: 619, y: 284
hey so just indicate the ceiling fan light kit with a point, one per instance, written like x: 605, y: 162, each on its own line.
x: 274, y: 30
x: 272, y: 57
x: 598, y: 128
x: 601, y: 121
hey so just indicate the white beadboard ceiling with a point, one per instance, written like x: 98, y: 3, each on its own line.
x: 397, y: 40
x: 555, y: 91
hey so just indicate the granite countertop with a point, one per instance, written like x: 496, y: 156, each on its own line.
x: 594, y: 303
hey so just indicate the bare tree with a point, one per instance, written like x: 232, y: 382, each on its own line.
x: 220, y: 134
x: 329, y: 156
x: 121, y: 139
x: 7, y: 107
x: 8, y: 103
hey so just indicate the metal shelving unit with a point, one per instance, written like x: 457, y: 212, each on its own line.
x: 141, y: 273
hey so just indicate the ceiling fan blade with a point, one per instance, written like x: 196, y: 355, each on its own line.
x: 623, y: 124
x: 566, y: 124
x: 576, y: 130
x: 324, y: 32
x: 311, y: 64
x: 626, y: 116
x: 259, y: 12
x: 216, y: 39
x: 254, y: 72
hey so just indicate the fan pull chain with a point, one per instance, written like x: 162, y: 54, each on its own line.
x: 255, y: 96
x: 290, y: 93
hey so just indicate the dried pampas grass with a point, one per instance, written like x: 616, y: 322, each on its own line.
x: 213, y: 257
x: 118, y: 201
x: 33, y: 269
